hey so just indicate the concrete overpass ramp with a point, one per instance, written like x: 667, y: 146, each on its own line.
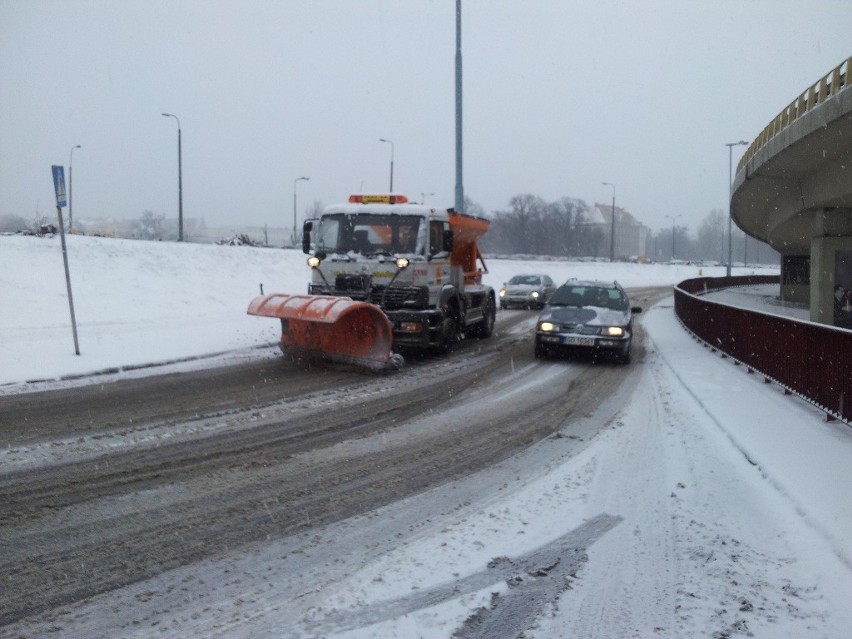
x: 793, y: 190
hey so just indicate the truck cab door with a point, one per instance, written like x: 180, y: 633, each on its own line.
x: 440, y: 238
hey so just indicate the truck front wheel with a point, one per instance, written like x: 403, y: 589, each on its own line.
x: 449, y: 334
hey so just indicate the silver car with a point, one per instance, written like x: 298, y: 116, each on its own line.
x: 527, y: 291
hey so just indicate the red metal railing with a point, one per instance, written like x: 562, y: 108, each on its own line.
x: 811, y: 360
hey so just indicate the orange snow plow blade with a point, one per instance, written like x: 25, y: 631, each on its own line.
x: 338, y: 329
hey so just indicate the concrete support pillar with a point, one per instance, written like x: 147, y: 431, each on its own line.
x: 832, y: 233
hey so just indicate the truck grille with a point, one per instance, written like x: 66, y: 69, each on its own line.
x: 356, y: 283
x: 393, y: 297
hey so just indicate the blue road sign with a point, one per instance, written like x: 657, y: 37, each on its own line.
x: 59, y: 184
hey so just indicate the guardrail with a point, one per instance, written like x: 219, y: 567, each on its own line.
x: 828, y: 85
x: 814, y: 361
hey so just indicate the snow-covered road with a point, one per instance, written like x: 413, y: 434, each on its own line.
x: 711, y: 506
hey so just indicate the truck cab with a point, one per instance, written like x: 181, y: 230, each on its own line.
x: 406, y: 259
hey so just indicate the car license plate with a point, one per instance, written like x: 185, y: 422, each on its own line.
x: 573, y: 340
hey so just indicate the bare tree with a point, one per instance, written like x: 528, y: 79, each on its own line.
x: 313, y: 210
x: 711, y: 236
x: 149, y: 226
x: 12, y: 223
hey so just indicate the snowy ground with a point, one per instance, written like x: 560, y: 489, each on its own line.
x: 138, y: 302
x: 712, y: 506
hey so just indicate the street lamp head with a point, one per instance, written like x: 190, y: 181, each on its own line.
x: 76, y: 147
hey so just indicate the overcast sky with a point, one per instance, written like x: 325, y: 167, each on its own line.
x: 559, y: 97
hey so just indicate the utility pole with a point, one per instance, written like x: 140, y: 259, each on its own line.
x: 71, y: 187
x: 612, y: 225
x: 180, y: 180
x: 730, y: 146
x: 459, y: 199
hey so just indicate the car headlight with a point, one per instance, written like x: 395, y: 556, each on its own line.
x: 534, y: 295
x: 502, y: 292
x: 547, y: 327
x: 614, y: 331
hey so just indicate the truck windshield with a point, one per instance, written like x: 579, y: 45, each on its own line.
x: 370, y: 234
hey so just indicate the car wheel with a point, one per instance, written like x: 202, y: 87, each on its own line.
x: 502, y: 306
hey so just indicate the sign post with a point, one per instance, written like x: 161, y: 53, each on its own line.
x: 59, y: 188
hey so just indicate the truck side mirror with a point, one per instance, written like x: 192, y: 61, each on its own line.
x: 306, y: 236
x: 448, y: 241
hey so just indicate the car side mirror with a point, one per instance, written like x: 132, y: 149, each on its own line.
x: 635, y: 309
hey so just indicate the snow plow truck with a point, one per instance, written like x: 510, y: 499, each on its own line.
x: 386, y: 274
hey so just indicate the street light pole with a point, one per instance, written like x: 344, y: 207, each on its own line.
x: 391, y: 164
x: 673, y: 218
x: 612, y: 225
x: 71, y: 187
x: 294, y: 206
x: 458, y: 202
x: 731, y: 146
x: 180, y: 181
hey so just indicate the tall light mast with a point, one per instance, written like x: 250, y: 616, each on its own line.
x: 459, y: 201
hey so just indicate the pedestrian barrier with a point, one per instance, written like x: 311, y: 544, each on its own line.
x: 813, y: 361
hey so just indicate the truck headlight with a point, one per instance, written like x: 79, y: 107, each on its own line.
x: 402, y: 263
x: 314, y: 261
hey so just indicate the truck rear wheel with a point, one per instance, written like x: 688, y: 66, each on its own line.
x: 489, y: 315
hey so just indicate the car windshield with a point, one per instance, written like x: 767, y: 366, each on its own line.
x: 579, y: 295
x: 531, y: 280
x: 369, y: 234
